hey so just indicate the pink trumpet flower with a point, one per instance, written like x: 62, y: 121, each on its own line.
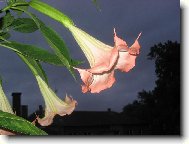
x: 103, y: 60
x: 53, y: 104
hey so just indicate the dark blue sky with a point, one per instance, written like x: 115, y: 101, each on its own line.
x: 159, y: 21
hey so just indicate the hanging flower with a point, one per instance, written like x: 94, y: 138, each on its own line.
x: 54, y: 105
x: 4, y: 103
x: 103, y: 60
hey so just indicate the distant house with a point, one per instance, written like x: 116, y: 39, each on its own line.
x: 85, y: 122
x: 96, y: 123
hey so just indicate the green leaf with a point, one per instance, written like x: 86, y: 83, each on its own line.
x: 10, y: 2
x: 59, y: 47
x: 51, y: 12
x: 25, y: 7
x: 24, y: 25
x: 56, y: 43
x: 19, y: 4
x: 33, y: 52
x: 35, y: 67
x: 20, y: 1
x: 18, y: 124
x: 6, y: 21
x: 4, y: 36
x: 53, y: 38
x: 75, y: 63
x: 39, y: 24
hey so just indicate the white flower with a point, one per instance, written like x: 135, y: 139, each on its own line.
x: 53, y: 104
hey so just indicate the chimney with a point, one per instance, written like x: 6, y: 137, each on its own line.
x: 16, y: 103
x: 24, y: 111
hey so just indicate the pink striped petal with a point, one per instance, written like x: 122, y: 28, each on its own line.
x: 106, y: 65
x: 120, y: 44
x: 96, y: 82
x: 102, y: 82
x: 127, y: 58
x: 47, y: 120
x: 125, y: 62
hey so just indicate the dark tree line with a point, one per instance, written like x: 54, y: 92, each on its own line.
x: 160, y: 108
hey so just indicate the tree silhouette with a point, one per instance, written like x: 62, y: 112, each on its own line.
x: 161, y: 106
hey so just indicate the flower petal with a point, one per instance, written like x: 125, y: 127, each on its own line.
x: 6, y: 132
x: 93, y: 49
x: 119, y: 43
x: 54, y: 105
x: 86, y: 77
x: 127, y: 59
x: 69, y: 108
x: 102, y: 82
x: 96, y: 82
x: 106, y: 65
x: 134, y: 49
x: 47, y: 120
x: 61, y: 110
